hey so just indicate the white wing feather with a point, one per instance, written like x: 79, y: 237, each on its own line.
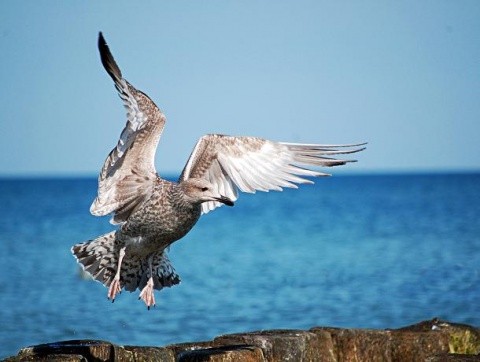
x: 250, y: 164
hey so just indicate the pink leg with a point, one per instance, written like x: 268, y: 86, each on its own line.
x: 115, y: 287
x: 147, y: 292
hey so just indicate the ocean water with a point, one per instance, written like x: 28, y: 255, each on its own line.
x: 380, y: 251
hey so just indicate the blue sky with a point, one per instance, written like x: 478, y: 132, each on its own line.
x: 402, y: 75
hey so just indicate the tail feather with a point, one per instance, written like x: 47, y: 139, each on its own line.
x: 164, y: 274
x: 99, y: 257
x: 135, y: 272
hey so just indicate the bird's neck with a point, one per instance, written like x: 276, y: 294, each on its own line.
x: 181, y: 200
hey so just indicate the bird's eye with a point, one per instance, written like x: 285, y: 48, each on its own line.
x: 204, y: 189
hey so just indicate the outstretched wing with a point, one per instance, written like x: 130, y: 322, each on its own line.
x: 251, y: 164
x: 128, y: 173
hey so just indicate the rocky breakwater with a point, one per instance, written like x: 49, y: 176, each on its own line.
x: 432, y: 341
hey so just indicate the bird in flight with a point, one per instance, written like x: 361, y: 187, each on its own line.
x: 152, y: 213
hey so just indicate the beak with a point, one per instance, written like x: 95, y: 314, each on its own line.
x: 224, y: 200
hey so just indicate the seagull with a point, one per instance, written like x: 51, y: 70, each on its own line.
x: 152, y: 213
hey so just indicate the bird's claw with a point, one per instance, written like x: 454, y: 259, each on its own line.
x: 147, y: 294
x: 114, y: 289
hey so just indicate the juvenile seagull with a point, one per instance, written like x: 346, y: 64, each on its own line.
x: 153, y: 212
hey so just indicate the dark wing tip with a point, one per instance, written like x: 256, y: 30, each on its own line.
x: 107, y: 59
x: 101, y: 39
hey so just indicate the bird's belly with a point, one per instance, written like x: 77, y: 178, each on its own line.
x: 153, y: 233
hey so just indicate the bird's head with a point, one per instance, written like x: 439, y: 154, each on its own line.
x: 198, y: 190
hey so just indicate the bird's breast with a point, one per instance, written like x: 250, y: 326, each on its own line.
x: 159, y: 221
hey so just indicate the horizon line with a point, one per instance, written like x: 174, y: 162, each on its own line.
x: 173, y: 174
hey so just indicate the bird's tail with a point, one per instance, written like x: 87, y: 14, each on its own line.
x: 164, y: 274
x: 99, y: 257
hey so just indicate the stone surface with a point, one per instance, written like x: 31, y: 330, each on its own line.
x: 433, y: 341
x: 185, y: 347
x: 48, y: 358
x: 463, y: 338
x: 460, y: 338
x: 417, y: 346
x: 90, y: 349
x: 147, y: 354
x: 241, y: 353
x: 358, y: 344
x: 81, y: 350
x: 454, y: 358
x: 281, y: 345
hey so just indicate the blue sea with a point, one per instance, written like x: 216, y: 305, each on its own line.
x: 362, y: 251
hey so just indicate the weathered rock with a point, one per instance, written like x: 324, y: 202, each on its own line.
x: 281, y: 345
x: 90, y: 349
x: 455, y: 338
x: 241, y: 353
x: 417, y: 346
x: 419, y: 341
x: 325, y: 345
x: 433, y: 341
x: 462, y: 338
x: 147, y: 354
x: 48, y: 358
x: 412, y: 343
x: 358, y: 344
x: 454, y: 358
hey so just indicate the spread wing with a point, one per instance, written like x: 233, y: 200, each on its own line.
x: 251, y: 164
x: 128, y: 173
